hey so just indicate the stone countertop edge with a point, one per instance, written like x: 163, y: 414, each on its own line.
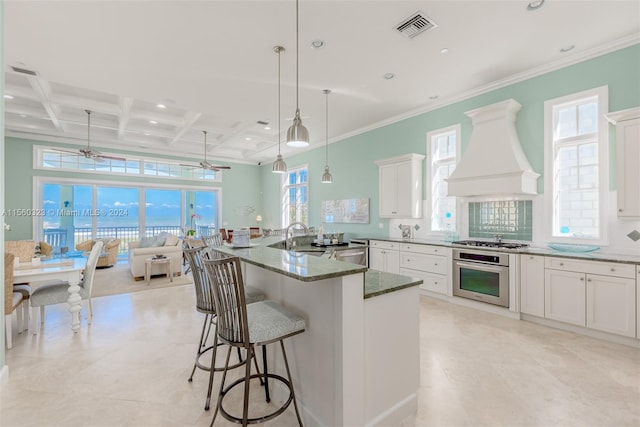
x: 378, y: 283
x: 589, y: 256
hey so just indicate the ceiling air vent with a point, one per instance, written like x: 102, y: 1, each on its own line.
x: 416, y: 24
x: 24, y: 71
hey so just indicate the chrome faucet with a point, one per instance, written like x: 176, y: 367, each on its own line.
x: 498, y: 238
x: 290, y: 226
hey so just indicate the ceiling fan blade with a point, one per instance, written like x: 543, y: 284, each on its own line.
x: 218, y: 167
x: 111, y: 157
x: 67, y: 151
x: 190, y: 166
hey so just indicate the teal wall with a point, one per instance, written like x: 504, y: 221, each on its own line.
x: 240, y: 186
x: 352, y: 160
x: 2, y: 161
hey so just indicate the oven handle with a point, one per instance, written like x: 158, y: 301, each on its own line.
x: 480, y: 266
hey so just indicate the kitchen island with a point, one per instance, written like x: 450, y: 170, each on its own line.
x: 357, y: 363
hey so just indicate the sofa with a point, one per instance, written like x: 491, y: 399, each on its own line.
x: 165, y: 244
x: 109, y: 255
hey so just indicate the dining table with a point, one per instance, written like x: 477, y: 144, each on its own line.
x: 39, y: 272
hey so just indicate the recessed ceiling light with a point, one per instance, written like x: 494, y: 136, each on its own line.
x: 248, y: 138
x: 444, y: 50
x: 267, y: 128
x: 535, y: 5
x: 153, y: 122
x: 162, y: 106
x: 388, y: 76
x: 23, y: 115
x: 567, y: 48
x: 147, y: 134
x: 317, y: 44
x: 8, y: 97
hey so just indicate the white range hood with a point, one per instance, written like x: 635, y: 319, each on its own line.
x: 493, y: 163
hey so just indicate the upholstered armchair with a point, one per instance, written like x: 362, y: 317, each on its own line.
x: 109, y: 255
x: 168, y: 245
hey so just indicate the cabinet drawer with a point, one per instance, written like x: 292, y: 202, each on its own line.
x: 384, y: 245
x: 591, y: 267
x: 430, y: 282
x: 426, y: 263
x: 424, y: 249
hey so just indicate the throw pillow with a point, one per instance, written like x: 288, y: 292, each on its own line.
x: 172, y: 240
x: 148, y: 242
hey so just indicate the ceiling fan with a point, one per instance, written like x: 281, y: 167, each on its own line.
x: 87, y: 152
x: 205, y: 164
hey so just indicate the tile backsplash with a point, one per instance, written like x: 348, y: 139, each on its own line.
x: 512, y: 219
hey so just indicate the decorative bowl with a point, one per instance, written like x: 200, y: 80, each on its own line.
x: 572, y: 248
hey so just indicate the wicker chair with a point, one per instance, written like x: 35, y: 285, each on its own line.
x: 23, y: 249
x: 109, y: 255
x: 12, y: 300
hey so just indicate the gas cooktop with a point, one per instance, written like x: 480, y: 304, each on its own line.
x: 490, y: 244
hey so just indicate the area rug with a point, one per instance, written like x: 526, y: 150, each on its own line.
x: 118, y: 280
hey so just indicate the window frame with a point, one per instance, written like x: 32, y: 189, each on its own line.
x: 601, y: 138
x: 431, y: 137
x: 197, y: 174
x: 284, y: 190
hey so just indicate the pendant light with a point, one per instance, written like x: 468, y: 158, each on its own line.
x: 279, y: 166
x: 326, y: 176
x: 297, y: 135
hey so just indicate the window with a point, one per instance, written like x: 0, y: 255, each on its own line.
x: 48, y: 158
x: 443, y: 150
x: 101, y: 209
x: 576, y: 156
x: 295, y: 197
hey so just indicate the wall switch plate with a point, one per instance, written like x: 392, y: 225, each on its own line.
x: 380, y: 225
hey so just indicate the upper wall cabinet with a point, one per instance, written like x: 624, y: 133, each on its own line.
x: 400, y: 184
x: 627, y: 124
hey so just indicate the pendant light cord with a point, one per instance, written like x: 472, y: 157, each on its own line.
x: 279, y: 51
x: 326, y: 146
x: 297, y: 55
x: 205, y: 145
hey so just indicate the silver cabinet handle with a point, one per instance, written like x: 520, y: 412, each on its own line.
x: 588, y: 280
x: 582, y: 279
x: 613, y: 269
x: 620, y: 210
x: 562, y: 263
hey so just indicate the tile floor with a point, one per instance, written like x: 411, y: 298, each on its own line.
x: 129, y: 368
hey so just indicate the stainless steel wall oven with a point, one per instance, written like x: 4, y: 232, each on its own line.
x: 481, y: 275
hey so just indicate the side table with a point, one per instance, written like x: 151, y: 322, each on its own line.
x: 149, y: 262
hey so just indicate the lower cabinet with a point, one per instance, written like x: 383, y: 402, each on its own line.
x: 384, y: 256
x: 598, y: 295
x: 532, y: 285
x: 432, y: 264
x: 564, y: 296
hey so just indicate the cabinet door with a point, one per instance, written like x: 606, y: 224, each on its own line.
x: 388, y: 190
x: 376, y: 258
x: 564, y: 296
x: 430, y: 282
x: 532, y: 285
x: 392, y: 262
x: 628, y: 177
x: 403, y: 191
x: 611, y: 304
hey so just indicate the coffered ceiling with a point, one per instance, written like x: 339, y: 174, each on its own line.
x: 212, y: 65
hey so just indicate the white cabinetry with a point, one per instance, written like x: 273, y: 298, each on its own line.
x: 628, y: 158
x: 384, y: 256
x: 598, y: 295
x: 638, y: 302
x: 432, y: 264
x: 532, y: 285
x: 400, y: 185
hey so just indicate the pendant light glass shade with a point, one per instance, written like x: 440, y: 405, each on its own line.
x: 326, y: 176
x: 279, y: 166
x: 297, y: 135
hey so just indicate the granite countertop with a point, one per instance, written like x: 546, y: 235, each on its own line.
x: 310, y: 268
x: 626, y: 258
x: 379, y: 283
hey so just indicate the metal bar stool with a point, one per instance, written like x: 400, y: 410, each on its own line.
x: 205, y: 304
x: 247, y: 326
